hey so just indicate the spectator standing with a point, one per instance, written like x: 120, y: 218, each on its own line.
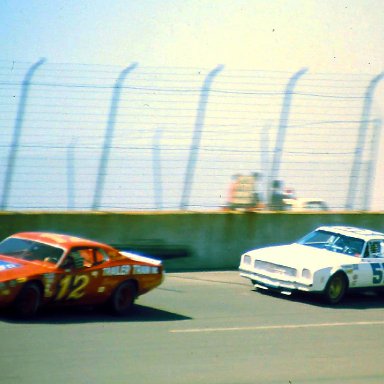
x: 244, y: 194
x: 257, y: 195
x: 277, y: 196
x: 240, y: 195
x: 233, y: 186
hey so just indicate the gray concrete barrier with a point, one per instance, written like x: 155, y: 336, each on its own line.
x: 186, y: 240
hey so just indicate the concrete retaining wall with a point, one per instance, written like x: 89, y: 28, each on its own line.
x: 187, y: 241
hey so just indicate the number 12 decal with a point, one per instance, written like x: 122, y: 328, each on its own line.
x: 378, y: 273
x: 72, y: 287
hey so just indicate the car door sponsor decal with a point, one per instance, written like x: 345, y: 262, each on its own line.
x: 350, y: 268
x: 72, y: 287
x: 120, y: 270
x: 4, y: 265
x: 378, y: 273
x: 144, y: 269
x: 49, y: 279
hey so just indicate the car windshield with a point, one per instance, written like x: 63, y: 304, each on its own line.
x: 334, y: 242
x: 30, y: 250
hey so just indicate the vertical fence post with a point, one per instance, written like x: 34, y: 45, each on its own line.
x: 157, y: 182
x: 284, y: 117
x: 108, y: 137
x: 195, y: 145
x: 376, y: 134
x: 71, y: 174
x: 17, y: 133
x: 355, y: 172
x: 264, y: 161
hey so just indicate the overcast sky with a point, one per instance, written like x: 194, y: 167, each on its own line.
x: 331, y: 36
x: 341, y: 37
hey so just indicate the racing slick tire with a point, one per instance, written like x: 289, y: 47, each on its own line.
x: 27, y: 301
x: 336, y: 288
x: 123, y: 298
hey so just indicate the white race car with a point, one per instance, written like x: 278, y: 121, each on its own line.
x: 330, y: 260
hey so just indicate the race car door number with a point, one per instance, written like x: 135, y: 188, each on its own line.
x: 72, y: 287
x: 378, y: 273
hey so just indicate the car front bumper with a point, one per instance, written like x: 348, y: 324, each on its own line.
x: 274, y: 283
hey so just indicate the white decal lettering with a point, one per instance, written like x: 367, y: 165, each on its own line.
x: 120, y: 270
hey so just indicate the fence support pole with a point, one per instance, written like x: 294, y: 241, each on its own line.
x: 157, y: 180
x: 264, y: 161
x: 284, y: 117
x: 17, y: 133
x: 108, y: 137
x: 195, y: 145
x: 355, y: 172
x: 376, y: 134
x: 71, y: 177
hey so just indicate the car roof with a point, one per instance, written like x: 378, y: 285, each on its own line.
x: 361, y: 233
x: 59, y: 240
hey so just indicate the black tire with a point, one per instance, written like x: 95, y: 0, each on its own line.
x: 336, y: 288
x: 27, y: 301
x: 123, y: 298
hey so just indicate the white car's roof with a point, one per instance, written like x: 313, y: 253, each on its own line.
x: 360, y: 233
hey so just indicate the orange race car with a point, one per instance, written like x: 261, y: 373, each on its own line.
x: 39, y: 268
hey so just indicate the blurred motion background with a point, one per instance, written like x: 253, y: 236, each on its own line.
x: 155, y: 106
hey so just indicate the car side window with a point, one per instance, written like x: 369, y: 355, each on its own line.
x: 73, y: 260
x: 375, y: 249
x: 80, y: 257
x: 87, y: 255
x: 101, y: 256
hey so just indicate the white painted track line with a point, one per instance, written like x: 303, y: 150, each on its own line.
x: 278, y: 327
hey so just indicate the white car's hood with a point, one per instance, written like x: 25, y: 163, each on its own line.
x: 301, y: 256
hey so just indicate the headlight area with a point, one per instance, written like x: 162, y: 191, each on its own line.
x: 306, y: 274
x: 246, y: 259
x: 4, y: 289
x: 7, y: 287
x: 267, y: 275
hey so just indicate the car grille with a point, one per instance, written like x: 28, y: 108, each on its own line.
x: 274, y: 268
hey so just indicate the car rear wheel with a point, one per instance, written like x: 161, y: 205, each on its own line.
x: 123, y: 298
x: 336, y: 288
x: 28, y: 301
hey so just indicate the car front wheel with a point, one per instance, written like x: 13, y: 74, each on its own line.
x: 336, y: 288
x: 28, y: 301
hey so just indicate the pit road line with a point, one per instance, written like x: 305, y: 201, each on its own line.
x: 274, y: 327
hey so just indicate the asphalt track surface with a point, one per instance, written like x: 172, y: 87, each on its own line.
x: 209, y: 328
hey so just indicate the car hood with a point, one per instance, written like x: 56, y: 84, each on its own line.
x: 12, y: 268
x: 302, y: 256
